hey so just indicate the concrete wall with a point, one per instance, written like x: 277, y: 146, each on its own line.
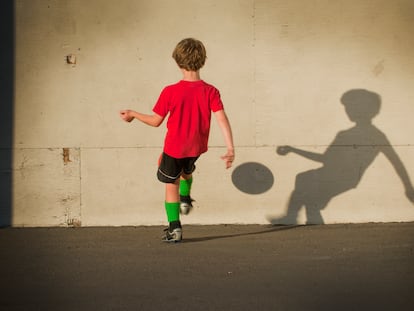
x: 281, y: 66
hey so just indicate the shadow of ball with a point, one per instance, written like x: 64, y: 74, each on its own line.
x: 252, y: 178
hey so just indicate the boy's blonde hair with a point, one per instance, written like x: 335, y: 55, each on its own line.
x: 190, y: 54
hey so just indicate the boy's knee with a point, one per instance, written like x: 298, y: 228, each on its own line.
x: 186, y: 176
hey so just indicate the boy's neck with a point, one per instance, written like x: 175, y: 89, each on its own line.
x: 190, y: 75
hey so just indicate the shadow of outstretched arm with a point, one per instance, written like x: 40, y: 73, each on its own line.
x: 284, y: 150
x: 399, y: 167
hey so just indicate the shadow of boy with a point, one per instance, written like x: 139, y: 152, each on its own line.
x: 344, y: 162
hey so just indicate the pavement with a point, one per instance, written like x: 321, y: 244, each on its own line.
x: 223, y: 267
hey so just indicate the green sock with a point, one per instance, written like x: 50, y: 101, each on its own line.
x: 173, y: 211
x: 185, y: 186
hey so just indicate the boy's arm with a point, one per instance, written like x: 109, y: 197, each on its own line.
x: 225, y: 127
x: 150, y: 119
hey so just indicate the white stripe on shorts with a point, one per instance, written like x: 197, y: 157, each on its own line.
x: 168, y: 176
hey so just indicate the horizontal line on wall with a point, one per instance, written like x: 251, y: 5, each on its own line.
x: 210, y: 147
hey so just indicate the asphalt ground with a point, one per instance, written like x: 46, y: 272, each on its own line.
x: 224, y: 267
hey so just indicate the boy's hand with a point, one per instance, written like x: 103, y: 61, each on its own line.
x: 126, y: 115
x: 228, y: 158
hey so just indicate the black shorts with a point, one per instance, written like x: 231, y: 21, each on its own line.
x: 170, y: 169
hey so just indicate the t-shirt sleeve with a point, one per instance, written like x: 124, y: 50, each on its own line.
x: 215, y: 101
x: 161, y: 106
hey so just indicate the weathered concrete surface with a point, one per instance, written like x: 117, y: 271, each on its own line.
x: 281, y: 67
x: 46, y: 184
x: 331, y: 267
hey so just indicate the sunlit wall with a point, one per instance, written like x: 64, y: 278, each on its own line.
x: 282, y: 68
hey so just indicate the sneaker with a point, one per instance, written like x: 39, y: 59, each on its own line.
x: 186, y: 204
x: 173, y: 237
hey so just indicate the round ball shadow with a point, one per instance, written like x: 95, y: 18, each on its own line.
x: 252, y: 178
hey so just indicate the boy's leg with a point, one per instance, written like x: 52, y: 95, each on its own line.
x: 172, y: 207
x: 186, y: 181
x: 172, y: 204
x: 171, y: 191
x: 169, y: 172
x: 186, y: 201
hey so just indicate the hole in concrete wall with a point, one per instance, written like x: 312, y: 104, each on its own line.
x: 71, y: 59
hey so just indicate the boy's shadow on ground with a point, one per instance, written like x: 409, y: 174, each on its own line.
x: 235, y: 235
x: 344, y: 162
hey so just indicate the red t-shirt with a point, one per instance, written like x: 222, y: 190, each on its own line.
x: 189, y: 104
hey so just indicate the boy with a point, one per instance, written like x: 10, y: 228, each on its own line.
x: 189, y: 104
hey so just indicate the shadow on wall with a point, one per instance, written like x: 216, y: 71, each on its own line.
x: 344, y: 162
x: 6, y: 109
x: 252, y: 178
